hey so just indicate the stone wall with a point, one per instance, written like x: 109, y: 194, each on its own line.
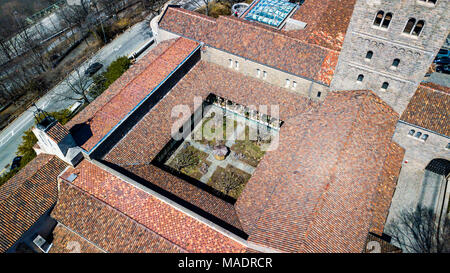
x: 415, y: 53
x: 419, y: 151
x: 302, y: 86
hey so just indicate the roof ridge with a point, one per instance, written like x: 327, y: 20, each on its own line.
x: 332, y: 178
x: 196, y: 14
x: 24, y: 180
x: 274, y: 31
x: 134, y: 78
x: 120, y: 212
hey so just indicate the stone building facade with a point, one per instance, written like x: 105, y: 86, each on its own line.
x: 389, y: 46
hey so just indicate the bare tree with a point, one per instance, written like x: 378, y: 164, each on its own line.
x: 229, y: 181
x: 418, y: 231
x: 202, y: 3
x: 78, y: 83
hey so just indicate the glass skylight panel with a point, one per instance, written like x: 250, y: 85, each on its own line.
x: 271, y: 12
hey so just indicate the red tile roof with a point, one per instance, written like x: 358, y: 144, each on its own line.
x: 27, y: 196
x: 255, y: 42
x: 429, y: 108
x: 102, y: 226
x: 327, y: 21
x: 138, y: 148
x: 386, y: 187
x: 127, y: 91
x: 67, y: 241
x: 175, y: 226
x: 313, y: 194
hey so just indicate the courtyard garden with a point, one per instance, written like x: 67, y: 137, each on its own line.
x: 223, y: 149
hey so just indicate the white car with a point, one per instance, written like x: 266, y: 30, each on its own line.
x: 75, y: 106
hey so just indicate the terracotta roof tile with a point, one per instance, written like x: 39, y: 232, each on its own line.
x: 313, y: 194
x: 139, y: 147
x: 101, y: 227
x: 327, y: 21
x: 126, y: 92
x: 175, y: 226
x: 430, y: 108
x: 57, y: 132
x: 66, y: 241
x: 33, y: 193
x: 255, y: 42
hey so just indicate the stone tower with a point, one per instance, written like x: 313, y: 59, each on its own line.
x: 389, y: 45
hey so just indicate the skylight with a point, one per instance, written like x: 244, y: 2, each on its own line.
x: 270, y: 12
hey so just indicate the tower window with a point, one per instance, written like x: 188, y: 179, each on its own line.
x: 382, y: 20
x: 448, y: 146
x: 369, y: 55
x: 414, y: 27
x: 264, y: 74
x: 236, y: 64
x: 319, y: 94
x: 378, y: 18
x: 287, y: 82
x: 231, y: 62
x: 411, y: 132
x: 418, y: 134
x: 418, y: 28
x: 395, y: 63
x: 258, y: 72
x: 360, y: 77
x: 294, y: 84
x: 387, y: 20
x: 385, y: 85
x: 424, y: 137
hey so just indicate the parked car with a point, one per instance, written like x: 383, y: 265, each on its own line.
x: 443, y: 53
x: 16, y: 162
x: 443, y: 68
x: 93, y: 68
x: 442, y: 60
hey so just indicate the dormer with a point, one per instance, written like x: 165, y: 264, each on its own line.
x: 54, y: 138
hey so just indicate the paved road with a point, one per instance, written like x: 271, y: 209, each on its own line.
x: 128, y: 42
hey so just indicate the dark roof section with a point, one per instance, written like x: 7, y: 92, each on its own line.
x: 429, y: 108
x: 327, y: 21
x: 386, y: 187
x: 103, y: 226
x: 314, y: 193
x: 66, y: 241
x: 254, y: 41
x: 27, y: 196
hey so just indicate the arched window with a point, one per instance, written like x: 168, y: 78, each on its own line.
x: 418, y: 134
x: 378, y: 18
x: 387, y: 20
x: 414, y: 28
x: 418, y: 28
x: 369, y: 55
x: 411, y: 132
x: 409, y: 26
x: 385, y: 85
x: 395, y: 63
x: 424, y: 137
x: 360, y: 77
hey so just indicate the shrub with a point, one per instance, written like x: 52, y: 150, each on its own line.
x: 112, y: 73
